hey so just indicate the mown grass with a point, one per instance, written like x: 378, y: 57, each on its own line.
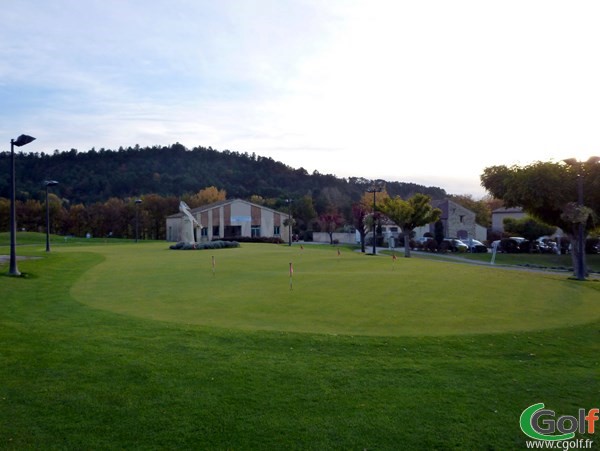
x: 550, y: 261
x: 75, y: 376
x: 348, y: 293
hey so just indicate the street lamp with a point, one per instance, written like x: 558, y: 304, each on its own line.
x: 289, y: 202
x: 579, y: 166
x: 374, y: 189
x: 48, y: 183
x: 20, y: 141
x: 137, y: 218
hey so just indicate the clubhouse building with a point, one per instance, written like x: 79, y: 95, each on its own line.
x: 230, y: 219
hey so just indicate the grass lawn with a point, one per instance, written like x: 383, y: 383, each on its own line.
x: 551, y: 261
x: 138, y: 346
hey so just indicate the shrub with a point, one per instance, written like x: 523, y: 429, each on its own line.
x: 431, y: 245
x: 203, y: 246
x: 444, y: 247
x: 245, y: 239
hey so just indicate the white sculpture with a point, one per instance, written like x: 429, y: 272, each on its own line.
x: 189, y: 222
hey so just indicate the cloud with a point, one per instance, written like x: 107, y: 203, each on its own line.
x: 407, y: 90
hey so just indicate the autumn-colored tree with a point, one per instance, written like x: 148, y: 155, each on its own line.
x: 409, y: 214
x: 258, y: 200
x: 206, y: 196
x: 75, y: 221
x: 30, y: 215
x: 156, y: 208
x: 57, y: 213
x: 366, y: 200
x: 481, y: 208
x: 4, y: 214
x: 369, y: 203
x: 330, y: 222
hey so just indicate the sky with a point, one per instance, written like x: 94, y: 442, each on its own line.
x: 429, y: 92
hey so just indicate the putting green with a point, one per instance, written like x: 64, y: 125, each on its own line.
x: 348, y: 293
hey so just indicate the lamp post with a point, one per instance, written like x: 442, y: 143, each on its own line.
x: 374, y: 189
x: 20, y: 141
x: 579, y: 166
x: 48, y: 183
x: 137, y: 218
x: 289, y: 202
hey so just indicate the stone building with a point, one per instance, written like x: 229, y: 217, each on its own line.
x: 231, y: 219
x: 459, y: 222
x: 499, y: 214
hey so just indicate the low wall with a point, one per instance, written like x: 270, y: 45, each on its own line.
x: 342, y: 238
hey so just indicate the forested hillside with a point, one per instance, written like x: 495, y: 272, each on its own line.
x: 93, y: 176
x: 97, y: 189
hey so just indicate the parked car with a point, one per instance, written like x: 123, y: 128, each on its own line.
x: 422, y: 240
x: 455, y: 245
x: 545, y: 246
x: 475, y: 246
x: 513, y: 245
x: 592, y: 246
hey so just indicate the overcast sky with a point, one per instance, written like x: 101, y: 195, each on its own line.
x: 422, y: 91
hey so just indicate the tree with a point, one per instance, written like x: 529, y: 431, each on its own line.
x: 438, y: 232
x: 410, y: 214
x: 206, y: 196
x: 369, y: 202
x: 359, y: 214
x: 329, y: 222
x: 76, y: 220
x: 303, y: 212
x: 4, y: 214
x: 528, y: 228
x: 258, y: 200
x: 548, y: 191
x: 481, y: 208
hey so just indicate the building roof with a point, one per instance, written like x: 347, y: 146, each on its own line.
x: 220, y: 203
x: 508, y: 210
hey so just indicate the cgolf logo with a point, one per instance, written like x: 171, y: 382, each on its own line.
x: 539, y: 423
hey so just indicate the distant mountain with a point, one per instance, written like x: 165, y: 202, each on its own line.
x: 94, y: 176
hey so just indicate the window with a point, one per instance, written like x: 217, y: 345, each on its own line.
x: 204, y: 231
x: 215, y: 231
x: 276, y: 230
x: 255, y: 231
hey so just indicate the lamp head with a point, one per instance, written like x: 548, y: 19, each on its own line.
x: 50, y: 182
x: 22, y: 140
x: 138, y: 201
